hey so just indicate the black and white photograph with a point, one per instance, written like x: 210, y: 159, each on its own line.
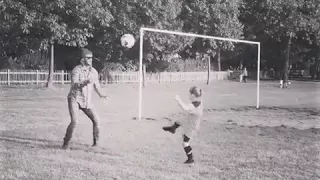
x: 159, y: 90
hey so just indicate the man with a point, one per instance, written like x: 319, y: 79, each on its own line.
x: 84, y: 79
x: 283, y: 81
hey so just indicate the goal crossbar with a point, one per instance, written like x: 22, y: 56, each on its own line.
x: 142, y: 30
x: 199, y: 36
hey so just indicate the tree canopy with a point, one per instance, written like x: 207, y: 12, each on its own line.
x: 285, y: 28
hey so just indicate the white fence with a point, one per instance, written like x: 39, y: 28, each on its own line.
x: 10, y: 77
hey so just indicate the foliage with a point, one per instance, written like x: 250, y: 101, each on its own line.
x: 36, y: 60
x: 212, y: 17
x: 235, y: 75
x: 29, y: 26
x: 162, y: 14
x: 117, y: 67
x: 33, y: 24
x: 272, y: 21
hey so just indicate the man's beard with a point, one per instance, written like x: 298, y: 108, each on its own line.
x: 87, y: 64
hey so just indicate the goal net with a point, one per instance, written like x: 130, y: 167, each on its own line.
x: 201, y: 73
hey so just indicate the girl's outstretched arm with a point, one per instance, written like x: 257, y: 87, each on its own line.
x: 181, y: 103
x: 186, y: 107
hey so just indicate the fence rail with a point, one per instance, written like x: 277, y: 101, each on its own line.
x: 10, y: 77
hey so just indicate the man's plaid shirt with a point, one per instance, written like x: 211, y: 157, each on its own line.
x: 83, y: 95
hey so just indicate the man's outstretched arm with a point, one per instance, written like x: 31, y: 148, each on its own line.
x: 97, y: 87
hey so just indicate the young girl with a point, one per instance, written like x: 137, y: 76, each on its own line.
x: 192, y: 123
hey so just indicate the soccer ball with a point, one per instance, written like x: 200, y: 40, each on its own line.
x: 127, y: 40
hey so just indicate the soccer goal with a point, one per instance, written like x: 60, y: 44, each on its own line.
x: 143, y: 30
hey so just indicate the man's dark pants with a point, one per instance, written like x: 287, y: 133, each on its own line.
x: 74, y: 114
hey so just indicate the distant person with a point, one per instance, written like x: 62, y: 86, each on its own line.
x: 230, y: 70
x: 283, y: 81
x: 84, y: 79
x: 265, y: 72
x: 273, y: 72
x: 312, y: 71
x: 244, y: 74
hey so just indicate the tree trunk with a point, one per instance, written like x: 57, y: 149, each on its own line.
x: 219, y: 59
x: 209, y: 67
x: 287, y: 60
x: 317, y: 70
x: 241, y: 64
x: 213, y: 54
x: 51, y: 66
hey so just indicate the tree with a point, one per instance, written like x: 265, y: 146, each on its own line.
x: 281, y: 21
x: 312, y: 54
x: 161, y: 14
x: 209, y: 65
x: 44, y: 23
x: 212, y: 17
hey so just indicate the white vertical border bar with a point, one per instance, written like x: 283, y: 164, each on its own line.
x: 258, y: 77
x: 140, y: 73
x: 199, y: 36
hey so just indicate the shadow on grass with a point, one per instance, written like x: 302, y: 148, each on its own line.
x: 30, y: 143
x: 33, y: 141
x: 283, y: 127
x: 145, y: 118
x: 280, y: 129
x: 310, y: 111
x: 53, y: 145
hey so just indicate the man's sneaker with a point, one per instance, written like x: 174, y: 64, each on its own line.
x: 65, y: 146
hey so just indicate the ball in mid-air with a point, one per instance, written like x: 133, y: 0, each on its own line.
x: 127, y: 40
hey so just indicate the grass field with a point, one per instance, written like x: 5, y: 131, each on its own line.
x: 281, y: 140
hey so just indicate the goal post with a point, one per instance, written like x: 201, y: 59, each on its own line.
x: 142, y: 30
